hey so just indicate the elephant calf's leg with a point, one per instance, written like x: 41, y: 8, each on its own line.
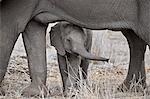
x: 84, y: 65
x: 136, y: 72
x: 63, y: 69
x: 73, y: 71
x: 34, y: 39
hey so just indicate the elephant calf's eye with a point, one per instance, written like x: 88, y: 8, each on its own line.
x: 68, y: 39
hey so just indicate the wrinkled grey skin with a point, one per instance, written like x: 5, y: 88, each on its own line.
x: 73, y: 45
x: 132, y: 17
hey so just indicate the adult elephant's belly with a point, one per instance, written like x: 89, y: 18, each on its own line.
x: 99, y: 14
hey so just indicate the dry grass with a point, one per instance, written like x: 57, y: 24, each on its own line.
x: 103, y: 78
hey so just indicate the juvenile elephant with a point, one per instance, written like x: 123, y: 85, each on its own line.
x: 73, y: 45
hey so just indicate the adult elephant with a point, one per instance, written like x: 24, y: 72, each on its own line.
x: 132, y: 17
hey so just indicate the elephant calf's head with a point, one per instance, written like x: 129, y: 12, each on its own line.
x: 66, y: 37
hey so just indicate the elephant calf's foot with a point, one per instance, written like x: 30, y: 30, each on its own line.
x: 73, y: 90
x: 35, y: 91
x: 132, y: 87
x: 70, y: 92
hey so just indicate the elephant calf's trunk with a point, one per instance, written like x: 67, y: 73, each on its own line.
x: 80, y: 49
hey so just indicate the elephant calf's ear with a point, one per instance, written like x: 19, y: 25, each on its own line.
x: 56, y: 40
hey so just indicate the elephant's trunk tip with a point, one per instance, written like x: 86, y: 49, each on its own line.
x: 80, y: 49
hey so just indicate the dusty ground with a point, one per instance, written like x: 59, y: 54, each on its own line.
x: 104, y: 78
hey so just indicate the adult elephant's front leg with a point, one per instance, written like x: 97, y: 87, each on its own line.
x: 8, y: 37
x: 136, y: 72
x: 34, y: 39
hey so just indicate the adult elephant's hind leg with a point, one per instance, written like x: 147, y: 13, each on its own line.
x: 136, y: 77
x: 34, y: 39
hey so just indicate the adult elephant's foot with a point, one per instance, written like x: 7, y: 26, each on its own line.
x: 2, y: 93
x: 132, y: 86
x: 35, y: 91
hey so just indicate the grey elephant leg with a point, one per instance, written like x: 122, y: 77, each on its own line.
x: 63, y: 69
x: 136, y: 69
x: 73, y: 71
x: 84, y: 65
x: 34, y: 39
x: 8, y: 38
